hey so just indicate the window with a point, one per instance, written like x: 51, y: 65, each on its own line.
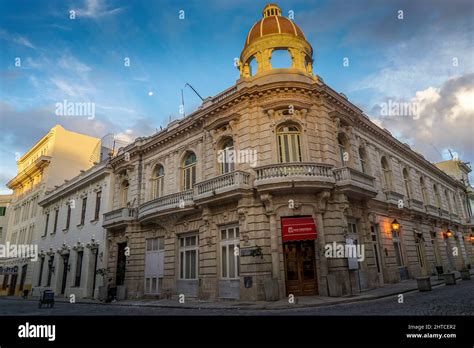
x: 343, y: 145
x: 188, y: 257
x: 83, y: 210
x: 446, y: 196
x: 68, y: 216
x: 50, y: 269
x: 406, y: 180
x: 124, y: 193
x: 419, y: 240
x: 40, y: 277
x: 363, y: 160
x: 227, y: 157
x: 3, y: 211
x: 398, y: 249
x: 424, y: 192
x: 55, y: 225
x: 289, y: 144
x: 158, y: 181
x: 46, y: 225
x: 387, y: 173
x: 97, y: 205
x: 80, y: 256
x: 230, y: 266
x: 189, y: 171
x: 437, y: 196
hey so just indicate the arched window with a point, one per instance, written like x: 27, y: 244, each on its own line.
x: 446, y: 196
x: 189, y: 171
x: 364, y: 163
x: 343, y: 145
x: 124, y: 193
x: 387, y: 173
x: 226, y: 157
x: 424, y: 191
x: 456, y: 204
x: 407, y: 181
x: 289, y: 145
x: 253, y: 66
x: 437, y: 196
x: 157, y: 181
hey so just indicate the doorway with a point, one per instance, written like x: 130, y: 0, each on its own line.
x: 65, y: 271
x: 121, y: 264
x: 300, y: 268
x: 23, y: 276
x: 11, y: 290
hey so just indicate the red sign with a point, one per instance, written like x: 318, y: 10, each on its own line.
x: 301, y: 228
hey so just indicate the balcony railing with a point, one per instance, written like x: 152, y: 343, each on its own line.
x: 179, y: 200
x: 354, y: 182
x: 350, y: 174
x: 226, y: 182
x: 282, y: 170
x: 119, y: 216
x: 431, y: 209
x: 394, y: 197
x: 415, y: 204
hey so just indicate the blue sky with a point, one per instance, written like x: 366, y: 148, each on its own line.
x: 82, y: 60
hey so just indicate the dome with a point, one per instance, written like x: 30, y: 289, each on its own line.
x: 275, y: 32
x: 273, y: 25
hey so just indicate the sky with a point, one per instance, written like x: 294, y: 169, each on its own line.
x: 131, y: 59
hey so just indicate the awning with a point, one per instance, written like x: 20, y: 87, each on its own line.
x: 299, y: 228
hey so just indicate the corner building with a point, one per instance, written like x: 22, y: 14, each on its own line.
x: 201, y: 224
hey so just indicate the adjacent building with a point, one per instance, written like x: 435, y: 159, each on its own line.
x: 72, y: 240
x: 58, y: 156
x: 5, y: 201
x: 242, y: 198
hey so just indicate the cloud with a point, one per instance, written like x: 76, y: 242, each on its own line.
x: 445, y: 120
x: 95, y: 9
x: 16, y: 38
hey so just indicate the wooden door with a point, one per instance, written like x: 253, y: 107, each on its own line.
x: 300, y: 268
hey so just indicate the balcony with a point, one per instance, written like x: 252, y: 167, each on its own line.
x: 445, y: 214
x: 175, y: 202
x: 455, y: 218
x: 416, y: 204
x: 394, y: 197
x: 294, y: 176
x: 354, y: 183
x: 432, y: 210
x: 223, y: 187
x: 119, y: 217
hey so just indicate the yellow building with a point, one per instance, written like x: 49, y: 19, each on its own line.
x: 58, y: 156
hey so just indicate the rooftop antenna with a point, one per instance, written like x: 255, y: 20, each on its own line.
x: 439, y: 153
x: 187, y: 84
x: 182, y: 102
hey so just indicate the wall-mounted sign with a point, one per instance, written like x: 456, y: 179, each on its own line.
x: 298, y: 228
x: 253, y: 251
x: 9, y: 270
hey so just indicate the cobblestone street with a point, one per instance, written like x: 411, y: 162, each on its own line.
x: 443, y: 300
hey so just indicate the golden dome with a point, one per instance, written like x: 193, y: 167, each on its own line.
x: 274, y: 24
x: 275, y: 32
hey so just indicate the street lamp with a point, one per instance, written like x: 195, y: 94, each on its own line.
x: 395, y: 225
x: 449, y: 233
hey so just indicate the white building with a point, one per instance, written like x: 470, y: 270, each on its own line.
x: 71, y: 242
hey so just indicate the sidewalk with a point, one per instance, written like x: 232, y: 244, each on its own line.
x: 300, y: 302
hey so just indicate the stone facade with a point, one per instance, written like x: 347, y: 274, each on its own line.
x: 352, y: 177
